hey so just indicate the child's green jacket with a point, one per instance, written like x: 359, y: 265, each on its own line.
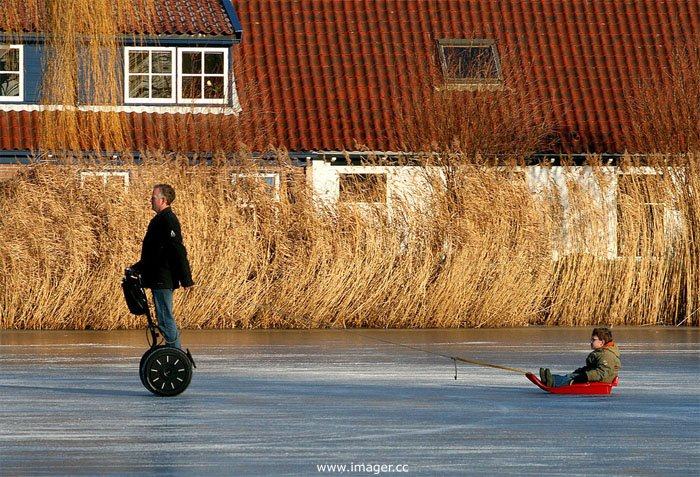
x: 602, y: 364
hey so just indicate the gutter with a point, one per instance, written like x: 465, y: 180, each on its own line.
x: 336, y: 158
x: 136, y: 39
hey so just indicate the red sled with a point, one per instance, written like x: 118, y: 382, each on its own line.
x: 596, y: 388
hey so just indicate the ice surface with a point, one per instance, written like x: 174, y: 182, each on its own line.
x: 284, y: 402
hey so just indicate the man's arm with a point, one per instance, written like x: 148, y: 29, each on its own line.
x: 179, y: 264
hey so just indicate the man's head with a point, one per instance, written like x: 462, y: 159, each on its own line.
x: 600, y: 337
x: 163, y: 195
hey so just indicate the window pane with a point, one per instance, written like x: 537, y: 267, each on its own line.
x: 9, y: 59
x: 270, y: 181
x: 192, y: 87
x: 138, y: 86
x: 476, y: 62
x: 214, y: 63
x: 9, y: 84
x: 192, y: 62
x: 161, y: 87
x: 213, y: 87
x: 138, y: 62
x: 640, y: 214
x: 162, y: 62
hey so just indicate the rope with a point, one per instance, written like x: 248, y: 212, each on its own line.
x: 415, y: 348
x: 453, y: 358
x: 490, y: 365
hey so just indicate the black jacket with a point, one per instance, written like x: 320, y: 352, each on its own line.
x: 163, y: 261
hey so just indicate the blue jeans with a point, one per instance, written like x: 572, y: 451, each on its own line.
x: 163, y: 300
x: 562, y: 379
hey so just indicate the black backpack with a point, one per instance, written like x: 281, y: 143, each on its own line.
x: 134, y: 294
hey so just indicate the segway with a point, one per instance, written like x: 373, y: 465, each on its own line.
x: 165, y: 371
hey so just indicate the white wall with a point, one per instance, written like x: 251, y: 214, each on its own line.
x: 575, y: 191
x: 408, y: 184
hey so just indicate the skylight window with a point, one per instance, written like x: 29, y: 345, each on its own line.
x: 469, y: 62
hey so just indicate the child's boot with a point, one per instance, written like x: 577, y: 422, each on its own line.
x: 548, y: 378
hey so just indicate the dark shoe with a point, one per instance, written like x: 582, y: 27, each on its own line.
x: 548, y: 378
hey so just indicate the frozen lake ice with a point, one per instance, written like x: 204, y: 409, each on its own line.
x: 287, y: 402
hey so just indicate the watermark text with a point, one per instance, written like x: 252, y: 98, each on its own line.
x: 353, y: 468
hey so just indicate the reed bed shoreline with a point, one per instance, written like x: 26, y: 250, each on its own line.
x: 482, y: 250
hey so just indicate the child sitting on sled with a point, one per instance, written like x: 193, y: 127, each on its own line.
x: 602, y: 364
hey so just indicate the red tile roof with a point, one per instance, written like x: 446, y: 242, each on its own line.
x: 327, y: 70
x: 204, y: 133
x: 191, y: 17
x: 173, y: 17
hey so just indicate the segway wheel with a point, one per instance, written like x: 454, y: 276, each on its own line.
x: 142, y: 367
x: 168, y: 371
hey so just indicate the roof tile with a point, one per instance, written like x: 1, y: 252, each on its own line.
x: 173, y: 17
x: 327, y: 71
x: 584, y: 53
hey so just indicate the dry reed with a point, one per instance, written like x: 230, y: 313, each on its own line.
x: 483, y: 256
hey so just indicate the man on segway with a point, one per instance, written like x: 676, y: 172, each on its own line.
x: 165, y: 369
x: 163, y: 265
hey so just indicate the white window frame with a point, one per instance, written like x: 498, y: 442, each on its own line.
x: 261, y: 175
x: 127, y: 73
x: 180, y: 75
x: 105, y: 175
x: 470, y: 83
x: 19, y: 98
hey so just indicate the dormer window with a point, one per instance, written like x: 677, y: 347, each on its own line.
x: 203, y: 75
x: 469, y: 62
x: 150, y: 75
x: 11, y: 73
x: 161, y: 75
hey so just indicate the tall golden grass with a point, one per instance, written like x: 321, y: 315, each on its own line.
x: 483, y: 255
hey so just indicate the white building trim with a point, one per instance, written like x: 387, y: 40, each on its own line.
x: 149, y: 74
x: 223, y: 110
x: 181, y: 75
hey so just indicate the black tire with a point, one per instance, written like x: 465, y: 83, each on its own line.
x: 168, y: 371
x: 142, y: 367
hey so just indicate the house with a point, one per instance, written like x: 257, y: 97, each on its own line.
x: 172, y: 77
x: 331, y: 71
x: 330, y: 77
